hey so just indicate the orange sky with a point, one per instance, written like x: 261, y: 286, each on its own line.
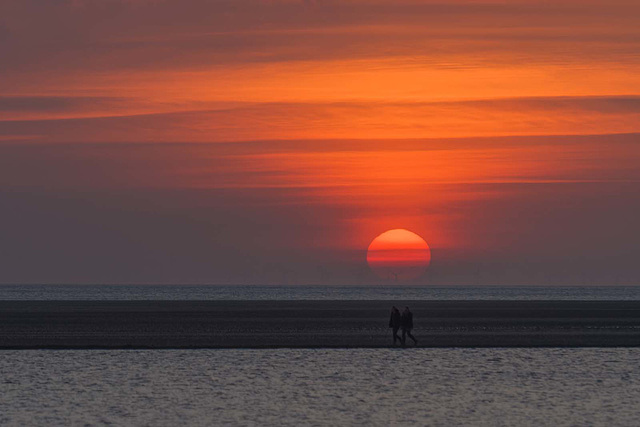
x: 270, y: 141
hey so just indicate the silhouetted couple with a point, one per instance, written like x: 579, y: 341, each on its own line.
x: 402, y: 321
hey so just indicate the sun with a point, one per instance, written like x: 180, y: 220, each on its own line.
x: 398, y: 255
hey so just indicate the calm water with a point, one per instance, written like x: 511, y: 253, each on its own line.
x: 322, y: 387
x: 200, y: 292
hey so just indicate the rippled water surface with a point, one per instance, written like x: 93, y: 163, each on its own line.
x: 292, y: 292
x: 323, y: 387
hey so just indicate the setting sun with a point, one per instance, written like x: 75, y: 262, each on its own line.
x: 398, y: 255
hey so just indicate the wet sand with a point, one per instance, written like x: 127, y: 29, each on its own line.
x: 314, y: 324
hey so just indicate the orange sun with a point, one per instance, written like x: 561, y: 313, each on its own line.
x: 398, y: 255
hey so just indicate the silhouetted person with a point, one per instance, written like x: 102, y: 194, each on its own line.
x: 406, y: 322
x: 394, y: 323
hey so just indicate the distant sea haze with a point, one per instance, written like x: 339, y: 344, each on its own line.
x: 291, y: 293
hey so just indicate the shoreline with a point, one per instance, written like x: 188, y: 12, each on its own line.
x: 313, y: 324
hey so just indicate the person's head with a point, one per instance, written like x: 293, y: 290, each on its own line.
x: 406, y: 309
x: 394, y: 309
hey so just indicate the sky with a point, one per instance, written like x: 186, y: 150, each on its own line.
x: 269, y: 142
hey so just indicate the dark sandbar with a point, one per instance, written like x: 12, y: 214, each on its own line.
x: 313, y: 324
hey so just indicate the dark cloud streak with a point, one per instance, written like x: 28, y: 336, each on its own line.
x: 147, y: 35
x: 335, y: 120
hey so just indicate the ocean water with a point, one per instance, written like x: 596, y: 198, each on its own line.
x: 256, y: 292
x: 442, y: 387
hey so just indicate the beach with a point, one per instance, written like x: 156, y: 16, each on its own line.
x: 313, y: 324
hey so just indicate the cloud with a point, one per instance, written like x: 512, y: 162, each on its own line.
x: 61, y: 107
x: 65, y: 119
x: 120, y: 35
x: 380, y: 166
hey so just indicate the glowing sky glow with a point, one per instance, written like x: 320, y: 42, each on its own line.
x: 254, y: 141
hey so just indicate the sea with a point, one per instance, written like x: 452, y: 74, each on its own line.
x: 324, y: 387
x: 292, y: 292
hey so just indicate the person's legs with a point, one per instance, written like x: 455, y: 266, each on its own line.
x: 404, y: 335
x: 395, y: 335
x: 415, y: 341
